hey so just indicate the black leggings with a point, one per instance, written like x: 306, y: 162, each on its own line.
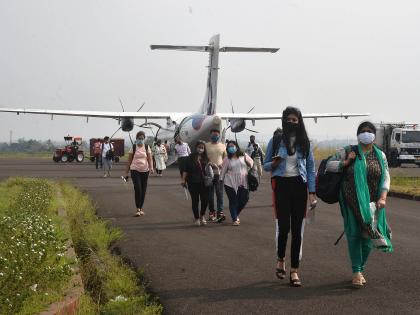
x: 290, y: 200
x: 199, y: 191
x: 140, y: 186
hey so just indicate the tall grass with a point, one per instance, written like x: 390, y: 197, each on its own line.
x: 111, y: 285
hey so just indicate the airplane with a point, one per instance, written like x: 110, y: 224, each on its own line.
x: 189, y: 127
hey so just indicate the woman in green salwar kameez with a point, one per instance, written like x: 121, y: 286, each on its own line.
x: 363, y: 194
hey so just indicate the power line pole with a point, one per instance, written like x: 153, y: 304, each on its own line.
x: 11, y: 136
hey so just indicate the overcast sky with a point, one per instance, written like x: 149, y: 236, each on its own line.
x: 335, y: 56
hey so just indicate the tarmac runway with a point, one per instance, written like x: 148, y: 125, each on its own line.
x: 221, y: 269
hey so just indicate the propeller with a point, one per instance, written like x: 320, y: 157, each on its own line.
x: 119, y: 121
x: 230, y: 121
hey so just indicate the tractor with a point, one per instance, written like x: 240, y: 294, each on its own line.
x: 71, y: 151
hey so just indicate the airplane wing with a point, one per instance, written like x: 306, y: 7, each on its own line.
x: 98, y: 114
x: 271, y: 116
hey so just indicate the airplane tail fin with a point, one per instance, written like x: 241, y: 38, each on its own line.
x: 213, y: 48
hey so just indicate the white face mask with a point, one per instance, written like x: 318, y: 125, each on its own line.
x: 366, y: 137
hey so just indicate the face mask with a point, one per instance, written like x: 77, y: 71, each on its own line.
x: 215, y: 138
x: 366, y: 137
x: 200, y: 151
x: 139, y: 141
x: 291, y: 127
x: 231, y: 150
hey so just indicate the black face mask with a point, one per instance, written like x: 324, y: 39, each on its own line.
x: 290, y: 127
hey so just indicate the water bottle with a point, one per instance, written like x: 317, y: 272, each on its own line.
x: 310, y: 213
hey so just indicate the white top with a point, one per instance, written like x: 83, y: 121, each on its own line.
x: 235, y: 171
x: 105, y: 148
x: 182, y: 149
x: 292, y: 168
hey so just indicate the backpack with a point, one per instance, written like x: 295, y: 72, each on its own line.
x: 109, y: 155
x: 328, y: 183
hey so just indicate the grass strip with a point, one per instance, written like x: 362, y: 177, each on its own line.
x: 33, y: 269
x: 406, y: 185
x: 112, y: 286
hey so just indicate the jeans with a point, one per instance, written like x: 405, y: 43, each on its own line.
x: 217, y: 188
x: 237, y: 200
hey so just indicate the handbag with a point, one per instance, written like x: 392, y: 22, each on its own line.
x: 252, y: 180
x: 208, y: 175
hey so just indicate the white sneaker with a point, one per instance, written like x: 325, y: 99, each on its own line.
x: 197, y: 222
x: 203, y: 220
x: 105, y: 175
x: 236, y: 223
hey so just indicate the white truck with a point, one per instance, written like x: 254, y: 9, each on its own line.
x: 400, y: 142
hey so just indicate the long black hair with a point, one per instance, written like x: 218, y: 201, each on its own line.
x: 238, y: 152
x: 204, y: 157
x: 302, y: 140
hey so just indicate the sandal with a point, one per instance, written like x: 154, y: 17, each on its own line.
x: 357, y: 281
x: 280, y: 272
x: 295, y: 282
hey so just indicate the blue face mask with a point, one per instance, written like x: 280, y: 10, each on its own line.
x: 215, y: 138
x: 140, y: 141
x: 231, y: 150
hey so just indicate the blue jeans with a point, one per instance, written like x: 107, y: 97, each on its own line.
x: 218, y: 188
x: 237, y: 200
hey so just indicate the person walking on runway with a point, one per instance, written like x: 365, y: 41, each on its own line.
x: 139, y: 164
x: 216, y: 152
x: 292, y: 168
x: 196, y: 168
x: 234, y: 175
x: 363, y: 195
x: 182, y: 151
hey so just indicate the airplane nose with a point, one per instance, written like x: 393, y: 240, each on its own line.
x: 217, y: 120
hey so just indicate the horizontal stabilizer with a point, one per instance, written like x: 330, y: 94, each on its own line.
x: 247, y: 49
x: 182, y: 48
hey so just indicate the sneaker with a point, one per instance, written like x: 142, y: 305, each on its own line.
x: 138, y: 213
x: 197, y: 222
x: 203, y: 220
x: 236, y: 223
x: 212, y: 216
x: 105, y: 175
x: 220, y: 217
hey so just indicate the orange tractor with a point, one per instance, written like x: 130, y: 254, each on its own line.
x: 71, y: 151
